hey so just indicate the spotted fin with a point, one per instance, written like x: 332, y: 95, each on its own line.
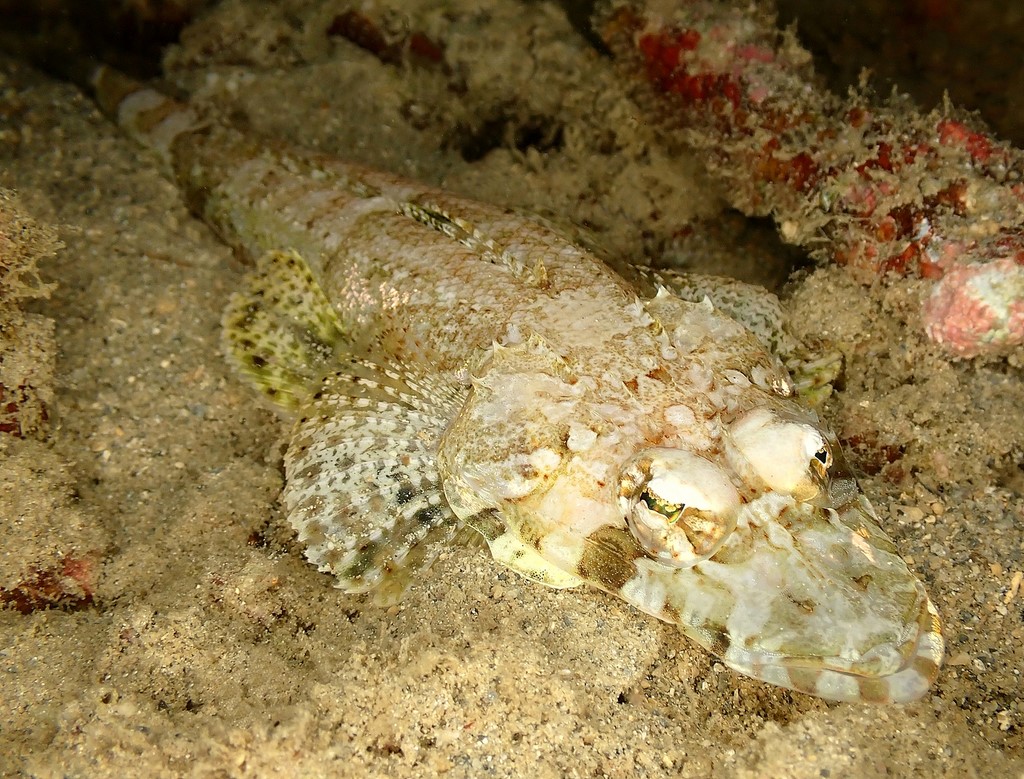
x: 813, y: 367
x: 511, y: 552
x: 468, y: 235
x: 280, y: 331
x: 362, y: 481
x: 752, y: 306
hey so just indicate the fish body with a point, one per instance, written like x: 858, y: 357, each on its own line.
x: 451, y: 365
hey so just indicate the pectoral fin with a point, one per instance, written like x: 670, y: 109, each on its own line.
x: 362, y: 482
x: 280, y: 330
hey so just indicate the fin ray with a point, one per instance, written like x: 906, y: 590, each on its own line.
x: 814, y: 367
x: 280, y: 331
x: 363, y: 490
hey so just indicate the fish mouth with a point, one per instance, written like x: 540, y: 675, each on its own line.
x: 816, y: 600
x: 838, y: 679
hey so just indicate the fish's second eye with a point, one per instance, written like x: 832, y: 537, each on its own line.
x: 821, y: 461
x: 789, y: 456
x: 679, y: 507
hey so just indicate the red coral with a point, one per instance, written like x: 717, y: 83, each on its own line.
x: 12, y: 402
x: 70, y: 585
x: 366, y: 33
x: 890, y: 190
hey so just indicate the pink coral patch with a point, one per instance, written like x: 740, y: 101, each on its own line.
x: 978, y: 307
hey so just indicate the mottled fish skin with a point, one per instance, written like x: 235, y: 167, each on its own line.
x: 450, y: 364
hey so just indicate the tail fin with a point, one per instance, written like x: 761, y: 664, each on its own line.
x: 151, y: 118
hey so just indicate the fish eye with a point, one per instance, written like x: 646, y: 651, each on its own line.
x: 821, y: 460
x: 679, y: 507
x: 792, y: 457
x: 671, y: 511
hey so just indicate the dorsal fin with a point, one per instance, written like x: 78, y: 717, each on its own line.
x: 467, y: 234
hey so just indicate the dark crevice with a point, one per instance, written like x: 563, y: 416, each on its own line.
x: 130, y: 36
x: 507, y: 132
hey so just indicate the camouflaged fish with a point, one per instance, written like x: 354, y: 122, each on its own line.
x: 454, y: 365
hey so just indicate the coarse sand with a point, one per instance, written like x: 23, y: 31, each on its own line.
x: 193, y: 639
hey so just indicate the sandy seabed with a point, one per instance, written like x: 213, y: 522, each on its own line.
x: 211, y: 649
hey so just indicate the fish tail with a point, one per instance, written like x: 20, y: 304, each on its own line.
x: 151, y: 118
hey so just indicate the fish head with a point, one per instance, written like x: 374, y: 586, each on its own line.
x: 770, y: 556
x: 712, y: 500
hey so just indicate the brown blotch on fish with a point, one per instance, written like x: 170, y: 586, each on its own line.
x: 804, y: 679
x: 925, y: 667
x: 719, y: 644
x: 149, y: 119
x: 873, y: 690
x: 863, y: 582
x: 608, y: 557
